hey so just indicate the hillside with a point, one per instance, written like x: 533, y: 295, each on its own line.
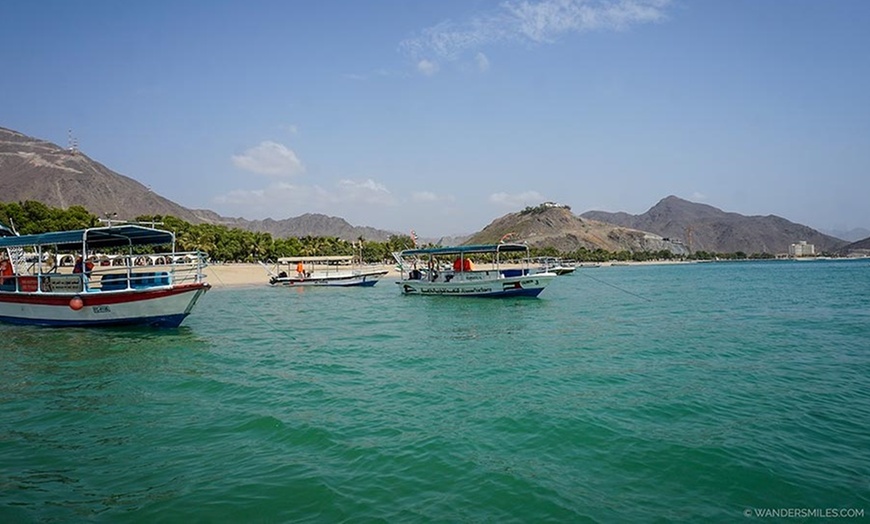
x: 859, y: 248
x: 557, y: 227
x: 34, y: 169
x: 706, y: 228
x: 309, y: 224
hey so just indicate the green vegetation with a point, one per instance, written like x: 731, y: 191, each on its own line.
x: 237, y: 245
x: 35, y: 217
x: 220, y: 242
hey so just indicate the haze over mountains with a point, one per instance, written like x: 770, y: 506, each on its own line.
x: 34, y: 169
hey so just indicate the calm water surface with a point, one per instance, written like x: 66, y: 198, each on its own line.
x: 623, y: 394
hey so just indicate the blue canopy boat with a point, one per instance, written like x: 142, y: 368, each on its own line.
x: 429, y: 271
x: 129, y: 286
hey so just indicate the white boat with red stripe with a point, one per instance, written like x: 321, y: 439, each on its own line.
x: 115, y: 280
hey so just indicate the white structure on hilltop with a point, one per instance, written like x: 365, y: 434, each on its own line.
x: 802, y: 249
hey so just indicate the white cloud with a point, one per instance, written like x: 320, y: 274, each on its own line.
x: 427, y: 67
x: 367, y: 191
x: 424, y: 196
x: 282, y: 199
x: 698, y: 196
x: 517, y: 200
x: 269, y: 158
x: 428, y: 196
x: 482, y: 62
x: 531, y: 21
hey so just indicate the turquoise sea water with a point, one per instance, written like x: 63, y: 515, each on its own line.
x: 699, y: 392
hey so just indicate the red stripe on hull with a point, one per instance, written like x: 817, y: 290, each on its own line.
x: 102, y: 298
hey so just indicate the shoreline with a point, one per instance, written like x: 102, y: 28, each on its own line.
x: 243, y: 274
x: 233, y: 275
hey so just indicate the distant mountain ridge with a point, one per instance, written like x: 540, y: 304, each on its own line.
x: 309, y: 224
x: 852, y: 235
x: 34, y: 169
x: 706, y: 228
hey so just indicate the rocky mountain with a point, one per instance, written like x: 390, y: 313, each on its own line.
x: 706, y: 228
x: 34, y: 169
x: 310, y: 224
x: 859, y: 248
x: 555, y: 226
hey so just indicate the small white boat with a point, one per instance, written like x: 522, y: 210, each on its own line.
x: 554, y: 265
x: 334, y: 271
x: 134, y: 288
x: 428, y: 271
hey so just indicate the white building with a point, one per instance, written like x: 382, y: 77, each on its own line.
x: 802, y: 249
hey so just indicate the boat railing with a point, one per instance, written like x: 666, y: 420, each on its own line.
x: 153, y: 270
x: 137, y: 272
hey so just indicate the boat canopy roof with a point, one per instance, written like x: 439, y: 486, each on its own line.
x: 474, y: 248
x: 95, y: 237
x: 330, y: 258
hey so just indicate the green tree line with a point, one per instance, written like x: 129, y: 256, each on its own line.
x: 225, y: 244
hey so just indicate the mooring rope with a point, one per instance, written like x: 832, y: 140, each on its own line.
x: 614, y: 286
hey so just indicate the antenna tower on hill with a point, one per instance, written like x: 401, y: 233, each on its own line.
x: 72, y: 143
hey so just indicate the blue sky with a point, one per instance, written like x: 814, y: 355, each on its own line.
x: 442, y: 116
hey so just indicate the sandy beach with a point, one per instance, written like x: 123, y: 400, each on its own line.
x: 238, y: 275
x: 243, y: 275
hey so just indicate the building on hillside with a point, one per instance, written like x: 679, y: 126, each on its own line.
x: 802, y: 249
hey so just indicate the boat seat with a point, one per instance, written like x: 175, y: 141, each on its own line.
x: 118, y: 281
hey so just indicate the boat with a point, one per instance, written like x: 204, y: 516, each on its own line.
x: 554, y: 265
x: 332, y: 271
x: 128, y: 286
x: 428, y: 271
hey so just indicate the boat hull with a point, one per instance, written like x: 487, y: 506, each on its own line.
x: 159, y: 307
x: 355, y: 280
x: 520, y: 286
